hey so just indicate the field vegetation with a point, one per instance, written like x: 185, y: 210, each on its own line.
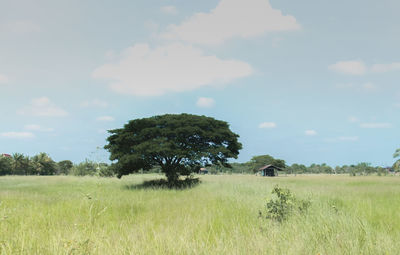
x: 225, y: 214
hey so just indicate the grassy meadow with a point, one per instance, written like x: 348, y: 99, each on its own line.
x: 89, y: 215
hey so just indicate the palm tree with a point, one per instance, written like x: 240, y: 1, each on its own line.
x: 44, y: 164
x: 18, y: 163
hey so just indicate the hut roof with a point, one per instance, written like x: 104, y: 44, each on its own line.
x: 269, y: 166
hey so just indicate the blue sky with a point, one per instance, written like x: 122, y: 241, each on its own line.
x: 306, y: 81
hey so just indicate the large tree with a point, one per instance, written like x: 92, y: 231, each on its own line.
x: 178, y: 143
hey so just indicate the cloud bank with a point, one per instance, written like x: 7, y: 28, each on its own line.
x: 231, y: 19
x: 353, y: 67
x: 145, y: 71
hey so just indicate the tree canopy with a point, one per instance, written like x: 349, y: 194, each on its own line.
x: 179, y: 143
x: 259, y: 161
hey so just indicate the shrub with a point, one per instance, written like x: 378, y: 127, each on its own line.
x: 84, y: 168
x: 106, y: 170
x: 284, y: 204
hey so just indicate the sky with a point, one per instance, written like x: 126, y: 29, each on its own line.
x: 313, y: 81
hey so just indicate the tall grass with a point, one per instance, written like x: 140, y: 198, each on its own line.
x: 89, y: 215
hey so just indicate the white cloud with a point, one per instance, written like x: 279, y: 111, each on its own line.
x: 144, y: 71
x: 375, y: 125
x: 205, y: 102
x: 348, y: 138
x: 169, y: 9
x: 34, y: 127
x: 267, y: 125
x: 17, y: 135
x: 353, y: 119
x: 43, y: 107
x: 369, y: 86
x: 364, y: 87
x: 21, y: 27
x: 342, y: 139
x: 3, y: 79
x: 310, y: 132
x: 105, y: 118
x: 231, y: 19
x: 349, y: 67
x: 96, y: 103
x: 383, y: 68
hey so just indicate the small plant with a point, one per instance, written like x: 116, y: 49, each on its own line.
x: 284, y: 205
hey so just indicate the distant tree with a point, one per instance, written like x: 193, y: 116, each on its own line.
x: 179, y: 143
x: 257, y: 162
x: 85, y: 168
x: 297, y: 169
x: 105, y: 170
x: 64, y: 167
x: 22, y: 165
x: 364, y: 168
x: 5, y: 165
x: 396, y: 165
x: 44, y: 165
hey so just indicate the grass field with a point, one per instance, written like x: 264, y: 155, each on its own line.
x: 71, y: 215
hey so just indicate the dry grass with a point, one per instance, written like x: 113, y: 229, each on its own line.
x: 70, y: 215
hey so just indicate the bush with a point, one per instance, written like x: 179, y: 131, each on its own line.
x: 284, y: 205
x: 84, y: 168
x: 106, y: 170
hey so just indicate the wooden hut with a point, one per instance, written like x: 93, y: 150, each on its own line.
x: 269, y: 170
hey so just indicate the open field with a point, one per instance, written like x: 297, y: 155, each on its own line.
x: 71, y: 215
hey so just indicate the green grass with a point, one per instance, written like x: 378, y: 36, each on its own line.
x: 88, y: 215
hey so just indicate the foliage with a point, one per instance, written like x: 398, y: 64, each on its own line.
x: 396, y: 165
x: 22, y: 165
x: 64, y: 167
x: 105, y: 170
x: 5, y: 165
x: 284, y: 205
x: 84, y: 168
x: 257, y: 162
x: 297, y: 169
x: 43, y: 165
x: 178, y: 143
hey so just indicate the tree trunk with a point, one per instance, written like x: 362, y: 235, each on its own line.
x: 171, y: 173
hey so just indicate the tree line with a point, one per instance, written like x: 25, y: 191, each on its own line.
x: 176, y: 145
x: 253, y: 166
x: 43, y: 164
